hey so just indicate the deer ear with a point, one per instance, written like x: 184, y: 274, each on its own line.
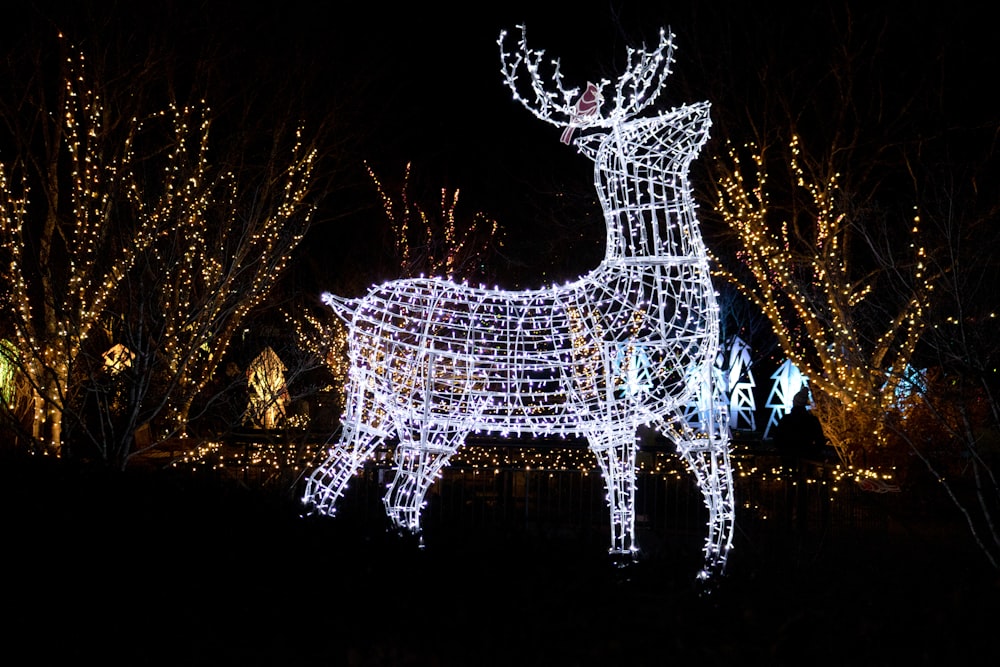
x: 698, y: 119
x: 687, y: 127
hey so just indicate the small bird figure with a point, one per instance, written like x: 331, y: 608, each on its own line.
x: 587, y: 105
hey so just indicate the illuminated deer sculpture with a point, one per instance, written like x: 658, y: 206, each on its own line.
x: 627, y: 344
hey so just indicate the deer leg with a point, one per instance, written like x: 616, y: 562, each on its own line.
x: 708, y: 459
x: 615, y: 454
x: 326, y: 484
x: 418, y: 465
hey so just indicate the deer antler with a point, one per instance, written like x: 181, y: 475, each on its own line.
x: 645, y: 76
x: 634, y: 90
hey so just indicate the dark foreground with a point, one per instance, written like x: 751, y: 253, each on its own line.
x: 146, y: 568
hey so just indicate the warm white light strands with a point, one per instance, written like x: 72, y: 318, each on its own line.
x: 8, y: 368
x: 435, y: 242
x: 133, y: 218
x: 268, y: 393
x: 626, y: 344
x: 801, y: 273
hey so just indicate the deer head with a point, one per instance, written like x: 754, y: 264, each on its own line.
x: 538, y: 85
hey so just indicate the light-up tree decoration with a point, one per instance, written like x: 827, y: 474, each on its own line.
x: 117, y: 358
x: 268, y: 393
x: 627, y: 344
x: 914, y: 381
x: 8, y: 372
x: 740, y: 382
x: 732, y: 389
x: 787, y: 382
x: 711, y: 399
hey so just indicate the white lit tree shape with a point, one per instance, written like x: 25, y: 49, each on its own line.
x: 741, y: 383
x: 711, y: 399
x: 787, y: 382
x: 627, y: 344
x: 732, y: 388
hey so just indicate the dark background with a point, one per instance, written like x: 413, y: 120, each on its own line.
x: 420, y: 83
x: 158, y: 569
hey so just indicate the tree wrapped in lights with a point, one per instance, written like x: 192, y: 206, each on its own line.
x: 795, y: 263
x: 54, y: 300
x: 232, y: 236
x: 435, y: 242
x: 627, y: 344
x: 113, y: 213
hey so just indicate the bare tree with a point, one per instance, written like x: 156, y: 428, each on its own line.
x: 136, y: 221
x: 834, y: 316
x: 810, y: 186
x: 436, y: 240
x: 951, y: 424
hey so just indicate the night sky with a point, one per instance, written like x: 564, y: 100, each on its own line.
x: 420, y: 82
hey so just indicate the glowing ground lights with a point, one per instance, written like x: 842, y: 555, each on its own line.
x: 627, y: 344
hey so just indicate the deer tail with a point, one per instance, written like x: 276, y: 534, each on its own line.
x: 343, y: 307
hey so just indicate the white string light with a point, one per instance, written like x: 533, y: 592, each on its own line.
x: 741, y: 384
x: 788, y: 380
x: 627, y: 344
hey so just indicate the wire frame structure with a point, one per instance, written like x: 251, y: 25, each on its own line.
x: 627, y: 344
x: 731, y: 390
x: 710, y: 401
x: 741, y: 384
x: 788, y: 380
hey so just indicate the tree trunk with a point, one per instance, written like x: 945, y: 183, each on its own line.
x: 46, y: 426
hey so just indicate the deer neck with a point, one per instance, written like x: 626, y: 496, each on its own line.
x: 650, y: 217
x: 647, y: 198
x: 652, y: 236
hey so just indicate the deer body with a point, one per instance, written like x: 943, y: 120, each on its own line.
x: 627, y: 344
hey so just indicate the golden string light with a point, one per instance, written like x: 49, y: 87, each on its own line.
x: 125, y: 212
x: 459, y: 243
x: 801, y: 279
